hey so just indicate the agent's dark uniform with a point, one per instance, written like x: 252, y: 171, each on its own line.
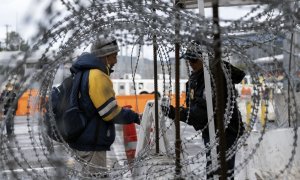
x: 198, y: 110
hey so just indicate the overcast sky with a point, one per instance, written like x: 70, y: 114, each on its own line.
x: 11, y: 13
x: 14, y: 12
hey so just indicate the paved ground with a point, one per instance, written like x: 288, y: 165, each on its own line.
x: 27, y: 151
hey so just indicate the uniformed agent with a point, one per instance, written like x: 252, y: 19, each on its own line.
x: 196, y: 102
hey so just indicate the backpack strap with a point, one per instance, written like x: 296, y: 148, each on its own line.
x: 74, y: 100
x: 75, y: 89
x: 74, y: 95
x: 88, y: 106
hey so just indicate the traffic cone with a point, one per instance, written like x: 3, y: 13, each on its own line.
x: 130, y: 139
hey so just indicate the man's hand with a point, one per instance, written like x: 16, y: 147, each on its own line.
x: 168, y: 111
x: 133, y: 116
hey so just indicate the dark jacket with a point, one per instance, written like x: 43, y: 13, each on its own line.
x: 99, y: 134
x: 198, y: 110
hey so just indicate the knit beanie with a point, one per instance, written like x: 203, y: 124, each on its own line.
x: 104, y: 46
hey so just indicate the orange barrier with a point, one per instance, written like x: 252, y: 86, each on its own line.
x: 138, y: 102
x: 24, y: 107
x: 182, y: 99
x: 122, y: 101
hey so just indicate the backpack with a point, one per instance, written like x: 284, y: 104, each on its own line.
x: 69, y: 120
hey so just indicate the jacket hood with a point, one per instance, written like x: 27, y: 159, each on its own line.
x: 237, y: 75
x: 88, y: 61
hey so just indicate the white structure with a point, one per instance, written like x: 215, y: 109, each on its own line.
x: 129, y: 76
x: 145, y: 86
x: 146, y: 145
x: 192, y: 4
x: 272, y: 155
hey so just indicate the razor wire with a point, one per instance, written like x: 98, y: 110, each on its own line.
x: 84, y: 21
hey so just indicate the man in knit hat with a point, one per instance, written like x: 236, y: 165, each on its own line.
x: 98, y: 101
x: 107, y: 49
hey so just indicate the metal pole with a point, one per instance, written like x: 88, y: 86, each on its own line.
x: 219, y: 79
x: 209, y: 103
x: 19, y: 40
x: 155, y: 88
x: 7, y: 25
x: 177, y: 91
x: 289, y: 81
x: 291, y: 52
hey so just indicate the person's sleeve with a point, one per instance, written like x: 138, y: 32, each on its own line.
x: 197, y: 116
x: 127, y: 116
x: 102, y: 95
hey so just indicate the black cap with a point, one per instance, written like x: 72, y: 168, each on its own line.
x: 193, y: 52
x: 192, y: 55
